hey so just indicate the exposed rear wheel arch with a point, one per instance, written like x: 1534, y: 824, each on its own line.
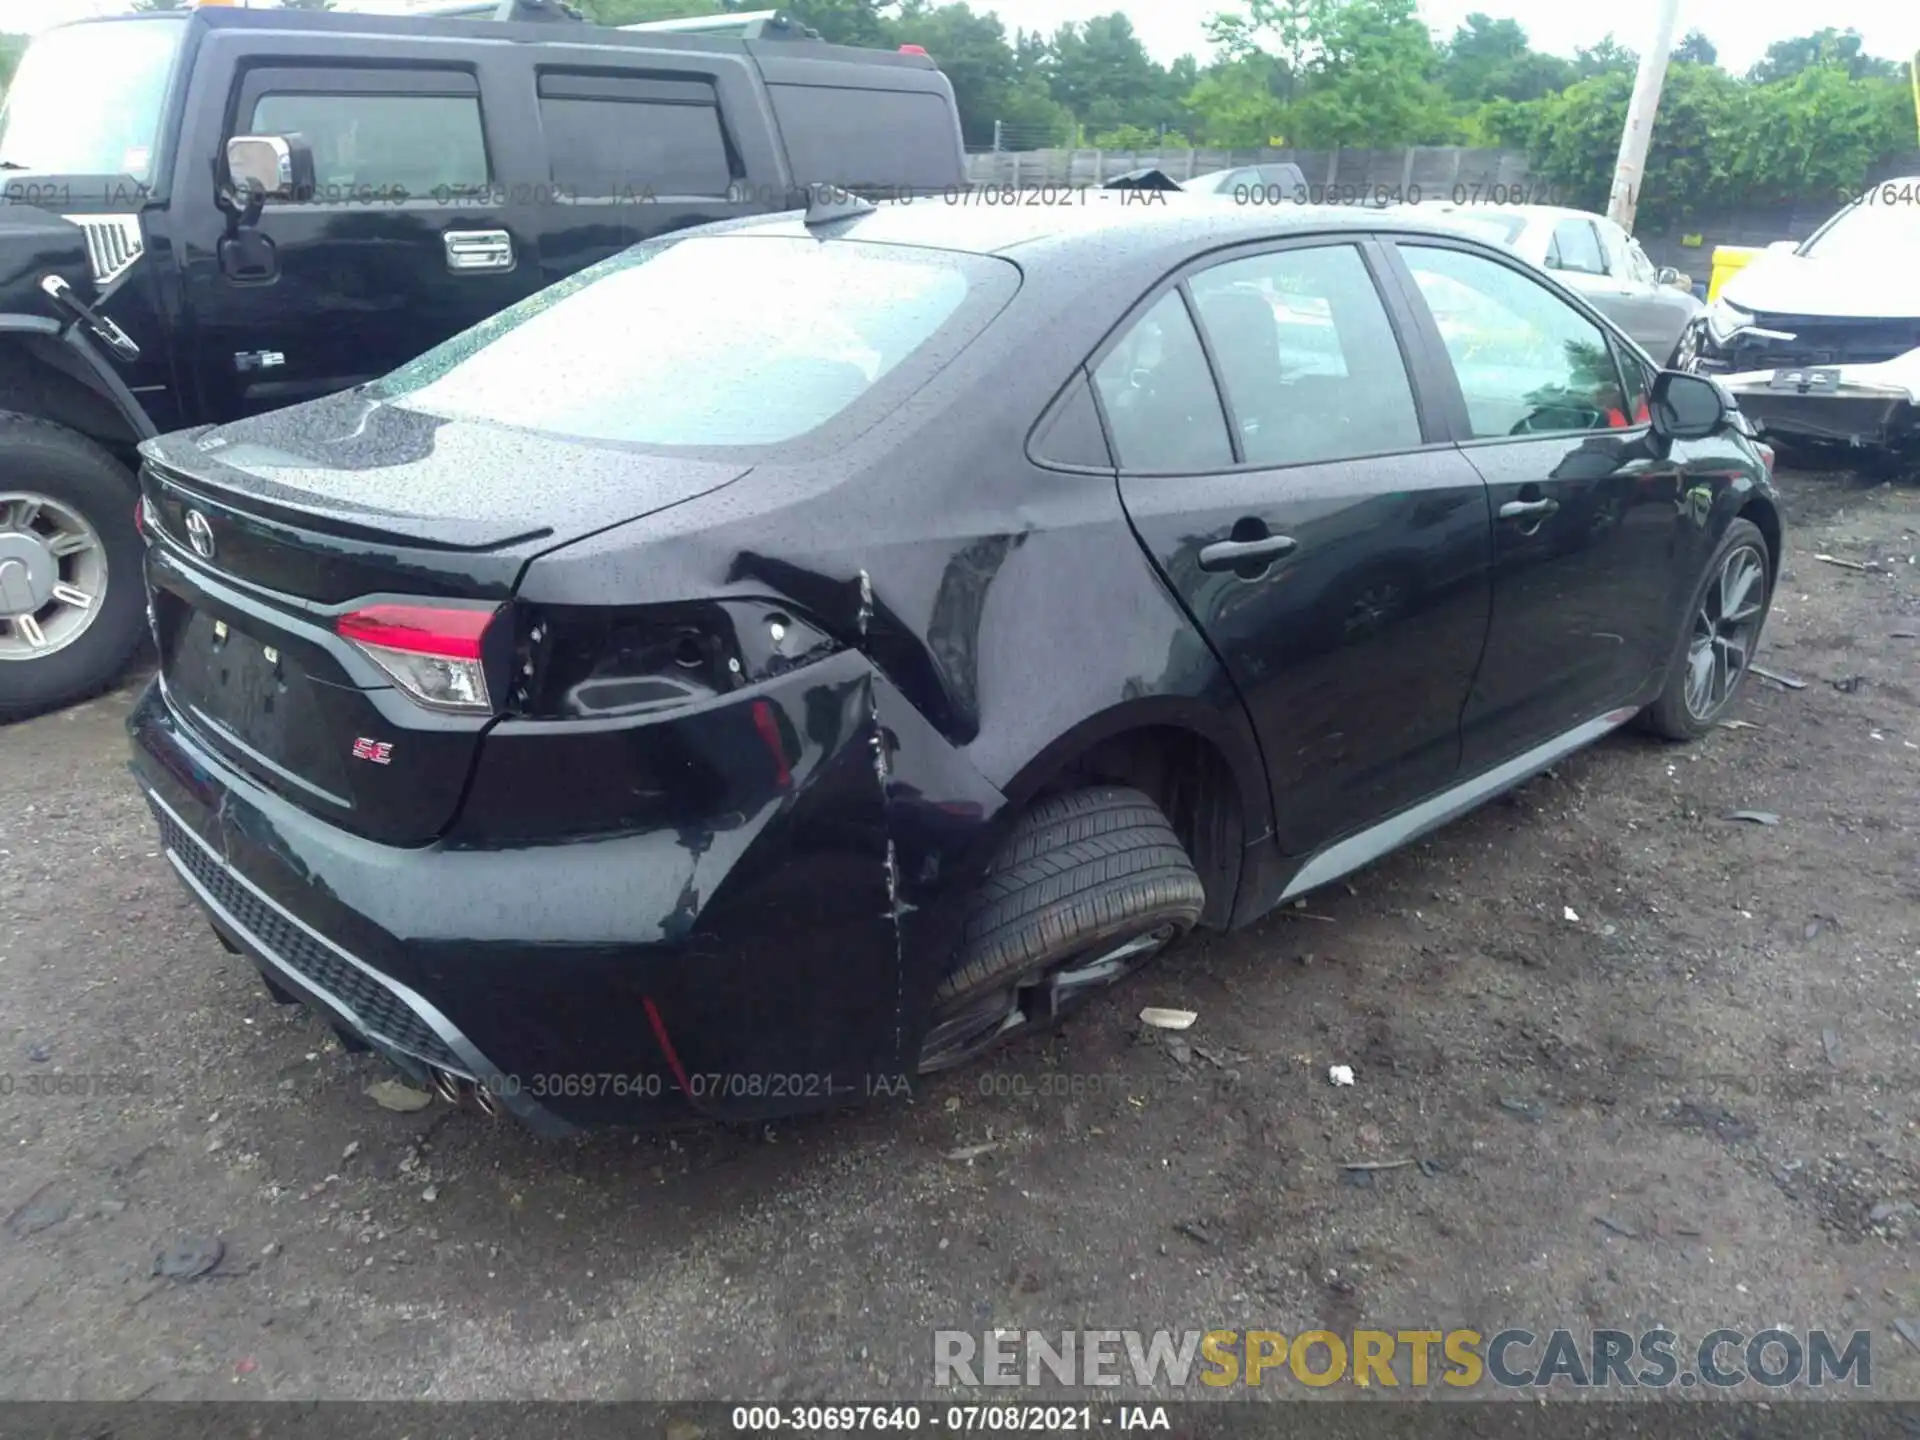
x: 1192, y: 782
x: 1089, y: 886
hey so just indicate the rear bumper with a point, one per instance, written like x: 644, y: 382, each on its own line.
x: 738, y: 967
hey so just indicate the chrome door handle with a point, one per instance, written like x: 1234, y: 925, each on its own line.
x: 1527, y: 509
x: 1227, y: 554
x: 478, y: 250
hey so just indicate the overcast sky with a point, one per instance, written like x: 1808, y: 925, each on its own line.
x: 1742, y: 29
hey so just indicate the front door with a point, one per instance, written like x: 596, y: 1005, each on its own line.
x: 1333, y: 548
x: 1583, y: 501
x: 406, y: 240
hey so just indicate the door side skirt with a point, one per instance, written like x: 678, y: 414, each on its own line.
x: 1345, y: 856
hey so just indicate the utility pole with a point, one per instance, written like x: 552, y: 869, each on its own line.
x: 1632, y: 164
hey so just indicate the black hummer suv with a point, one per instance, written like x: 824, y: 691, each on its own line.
x: 219, y: 211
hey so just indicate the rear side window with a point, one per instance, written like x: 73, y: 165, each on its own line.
x: 1163, y: 411
x: 868, y: 139
x: 1307, y: 356
x: 407, y: 144
x: 626, y: 135
x: 1576, y: 247
x: 707, y: 341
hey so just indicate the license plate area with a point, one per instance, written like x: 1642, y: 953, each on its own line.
x: 1806, y: 380
x: 232, y: 677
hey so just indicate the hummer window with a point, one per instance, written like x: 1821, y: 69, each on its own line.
x: 621, y: 136
x: 413, y: 145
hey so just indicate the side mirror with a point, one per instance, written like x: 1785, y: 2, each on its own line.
x: 1687, y: 407
x: 1669, y: 276
x: 270, y: 167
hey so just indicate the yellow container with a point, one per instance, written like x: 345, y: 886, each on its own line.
x: 1728, y: 261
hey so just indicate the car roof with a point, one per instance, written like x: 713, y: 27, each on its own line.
x: 570, y: 31
x: 1526, y: 212
x: 1086, y: 223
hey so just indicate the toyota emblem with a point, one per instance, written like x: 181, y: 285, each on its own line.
x: 200, y: 534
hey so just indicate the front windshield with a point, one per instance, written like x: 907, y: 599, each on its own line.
x: 86, y: 99
x: 1870, y: 232
x: 709, y: 340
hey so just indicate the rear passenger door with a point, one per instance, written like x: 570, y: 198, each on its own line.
x: 406, y: 240
x: 1279, y: 460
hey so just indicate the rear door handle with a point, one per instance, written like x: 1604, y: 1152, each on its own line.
x: 1527, y: 509
x: 478, y: 250
x: 1230, y: 554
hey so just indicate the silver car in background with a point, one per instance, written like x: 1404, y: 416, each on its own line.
x: 1594, y: 258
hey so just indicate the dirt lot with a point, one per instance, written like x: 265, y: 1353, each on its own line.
x: 1692, y: 1105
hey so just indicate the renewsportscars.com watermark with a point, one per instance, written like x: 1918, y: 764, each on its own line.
x: 1412, y: 1359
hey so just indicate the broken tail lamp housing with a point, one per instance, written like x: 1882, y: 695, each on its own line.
x: 437, y: 654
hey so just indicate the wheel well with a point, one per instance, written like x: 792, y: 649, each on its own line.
x: 40, y: 376
x: 1189, y: 779
x: 1767, y: 520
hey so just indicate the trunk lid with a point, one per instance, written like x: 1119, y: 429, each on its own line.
x: 264, y: 534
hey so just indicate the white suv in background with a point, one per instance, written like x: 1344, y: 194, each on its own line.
x: 1821, y: 341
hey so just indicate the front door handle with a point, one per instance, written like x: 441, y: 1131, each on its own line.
x: 1231, y: 554
x: 1527, y: 509
x: 478, y: 250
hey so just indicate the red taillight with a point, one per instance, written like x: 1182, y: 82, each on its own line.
x: 1766, y: 458
x: 913, y: 49
x: 419, y: 629
x: 140, y: 517
x: 433, y: 652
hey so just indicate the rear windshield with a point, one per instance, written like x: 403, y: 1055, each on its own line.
x: 706, y: 341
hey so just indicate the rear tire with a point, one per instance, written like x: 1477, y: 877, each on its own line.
x: 1089, y: 887
x: 1684, y: 711
x: 78, y: 480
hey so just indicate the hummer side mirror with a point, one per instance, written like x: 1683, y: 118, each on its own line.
x: 269, y: 167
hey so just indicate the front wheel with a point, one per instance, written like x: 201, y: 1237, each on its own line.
x: 72, y: 607
x: 1723, y: 628
x: 1090, y: 886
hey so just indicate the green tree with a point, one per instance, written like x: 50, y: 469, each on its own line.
x: 1235, y: 106
x: 640, y: 12
x: 1139, y: 137
x: 1787, y: 58
x: 1696, y: 49
x: 1102, y: 74
x: 1819, y: 134
x: 973, y: 52
x: 1371, y: 84
x: 1606, y: 58
x: 1489, y: 60
x: 845, y: 22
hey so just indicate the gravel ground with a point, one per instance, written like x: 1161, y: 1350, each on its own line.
x: 1692, y: 1105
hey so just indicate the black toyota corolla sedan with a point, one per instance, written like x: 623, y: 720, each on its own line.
x: 799, y: 655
